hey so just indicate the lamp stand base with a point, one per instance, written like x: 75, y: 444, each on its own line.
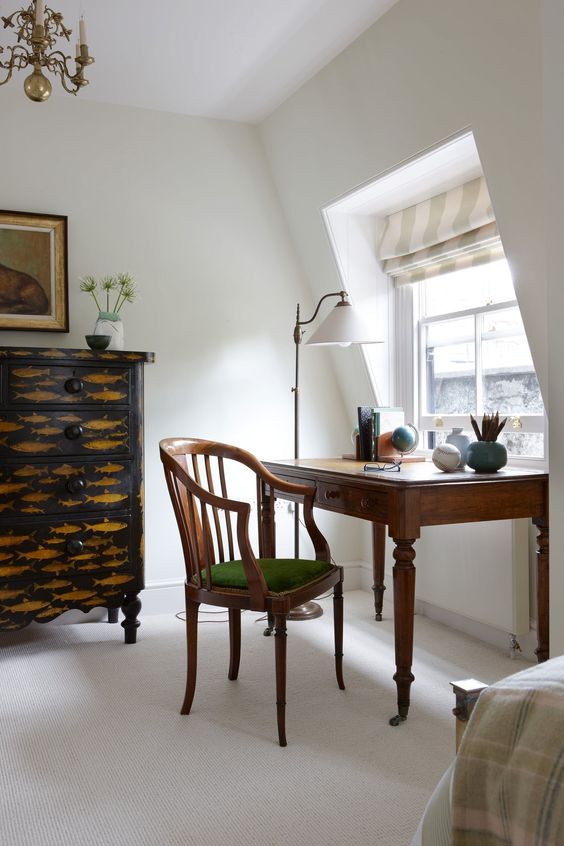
x: 307, y: 611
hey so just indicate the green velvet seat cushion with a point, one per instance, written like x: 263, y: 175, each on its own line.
x: 280, y: 574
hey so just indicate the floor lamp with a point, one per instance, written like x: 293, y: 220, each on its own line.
x: 343, y: 326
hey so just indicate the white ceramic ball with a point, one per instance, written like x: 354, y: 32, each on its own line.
x: 446, y: 457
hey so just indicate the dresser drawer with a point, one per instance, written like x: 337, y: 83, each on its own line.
x: 60, y: 488
x: 64, y: 432
x: 41, y: 384
x: 44, y: 599
x: 100, y: 547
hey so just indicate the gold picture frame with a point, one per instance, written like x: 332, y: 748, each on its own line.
x: 33, y: 272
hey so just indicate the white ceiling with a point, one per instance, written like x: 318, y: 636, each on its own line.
x: 232, y: 59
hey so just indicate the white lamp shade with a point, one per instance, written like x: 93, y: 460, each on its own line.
x: 343, y: 325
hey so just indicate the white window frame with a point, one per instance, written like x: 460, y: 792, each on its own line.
x: 410, y: 372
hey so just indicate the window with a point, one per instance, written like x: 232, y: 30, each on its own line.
x: 473, y: 357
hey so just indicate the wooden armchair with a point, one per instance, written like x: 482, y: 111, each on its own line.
x: 221, y: 565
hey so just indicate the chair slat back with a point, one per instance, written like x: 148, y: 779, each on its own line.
x: 207, y: 528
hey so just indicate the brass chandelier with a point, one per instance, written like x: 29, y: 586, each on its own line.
x: 38, y: 29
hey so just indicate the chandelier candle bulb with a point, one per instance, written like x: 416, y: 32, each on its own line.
x: 39, y: 12
x: 82, y: 31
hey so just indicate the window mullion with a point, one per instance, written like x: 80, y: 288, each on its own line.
x: 478, y: 325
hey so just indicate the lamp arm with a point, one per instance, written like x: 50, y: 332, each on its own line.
x: 342, y: 294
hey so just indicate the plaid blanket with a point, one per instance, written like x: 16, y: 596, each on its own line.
x: 509, y: 778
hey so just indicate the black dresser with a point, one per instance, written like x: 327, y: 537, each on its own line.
x: 71, y: 484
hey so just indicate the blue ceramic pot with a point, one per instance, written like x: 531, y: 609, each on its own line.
x: 486, y: 456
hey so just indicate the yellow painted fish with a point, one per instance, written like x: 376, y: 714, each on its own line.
x: 27, y: 471
x: 11, y: 594
x: 76, y: 594
x: 6, y: 505
x: 57, y: 568
x: 97, y: 600
x: 103, y: 425
x: 55, y: 584
x: 47, y: 431
x: 107, y: 527
x: 33, y: 418
x: 14, y: 540
x: 109, y: 468
x: 113, y: 580
x: 32, y: 446
x: 54, y: 540
x: 65, y: 529
x: 51, y: 354
x: 47, y: 383
x: 107, y: 481
x: 106, y: 396
x: 104, y: 378
x: 6, y: 556
x: 9, y: 426
x: 12, y: 571
x: 85, y: 556
x: 39, y: 554
x: 114, y: 564
x: 70, y: 503
x: 51, y: 612
x: 12, y: 487
x: 49, y: 481
x: 36, y: 497
x: 108, y: 498
x: 27, y: 606
x: 103, y: 443
x: 30, y: 372
x: 38, y: 396
x: 69, y: 418
x: 114, y: 550
x: 33, y: 509
x: 97, y: 541
x: 88, y: 567
x: 67, y: 470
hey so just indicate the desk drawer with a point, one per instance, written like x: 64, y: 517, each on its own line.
x: 61, y: 488
x: 41, y: 384
x: 356, y: 502
x: 63, y: 432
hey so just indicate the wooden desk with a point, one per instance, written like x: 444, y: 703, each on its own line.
x: 421, y: 495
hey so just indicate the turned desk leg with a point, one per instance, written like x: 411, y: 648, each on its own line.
x: 378, y: 564
x: 543, y: 621
x: 404, y: 606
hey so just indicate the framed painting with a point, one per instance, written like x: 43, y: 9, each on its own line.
x: 33, y: 272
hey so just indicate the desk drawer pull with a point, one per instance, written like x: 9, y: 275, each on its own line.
x: 74, y: 432
x: 332, y: 494
x: 74, y: 386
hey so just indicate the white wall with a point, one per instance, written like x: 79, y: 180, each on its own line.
x: 423, y: 72
x: 188, y: 207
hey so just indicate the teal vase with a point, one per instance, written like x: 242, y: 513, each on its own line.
x: 486, y: 456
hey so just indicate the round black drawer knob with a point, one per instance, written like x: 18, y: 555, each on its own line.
x: 76, y: 485
x: 75, y: 547
x: 74, y: 386
x: 73, y: 432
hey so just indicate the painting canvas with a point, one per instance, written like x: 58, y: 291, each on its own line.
x: 33, y: 272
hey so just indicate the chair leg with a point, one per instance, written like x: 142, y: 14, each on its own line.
x: 234, y: 642
x: 192, y: 654
x: 280, y: 655
x: 338, y: 626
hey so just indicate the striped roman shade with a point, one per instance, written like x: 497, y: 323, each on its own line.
x: 448, y: 232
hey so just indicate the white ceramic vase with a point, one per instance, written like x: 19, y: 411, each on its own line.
x: 110, y: 323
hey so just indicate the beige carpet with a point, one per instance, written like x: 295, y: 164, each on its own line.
x: 94, y: 751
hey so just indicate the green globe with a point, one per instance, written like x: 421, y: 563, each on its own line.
x: 405, y: 438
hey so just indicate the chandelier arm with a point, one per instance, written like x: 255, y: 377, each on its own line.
x: 18, y: 60
x: 57, y: 63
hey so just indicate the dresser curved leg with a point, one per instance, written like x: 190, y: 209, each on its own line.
x: 113, y: 615
x: 131, y: 608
